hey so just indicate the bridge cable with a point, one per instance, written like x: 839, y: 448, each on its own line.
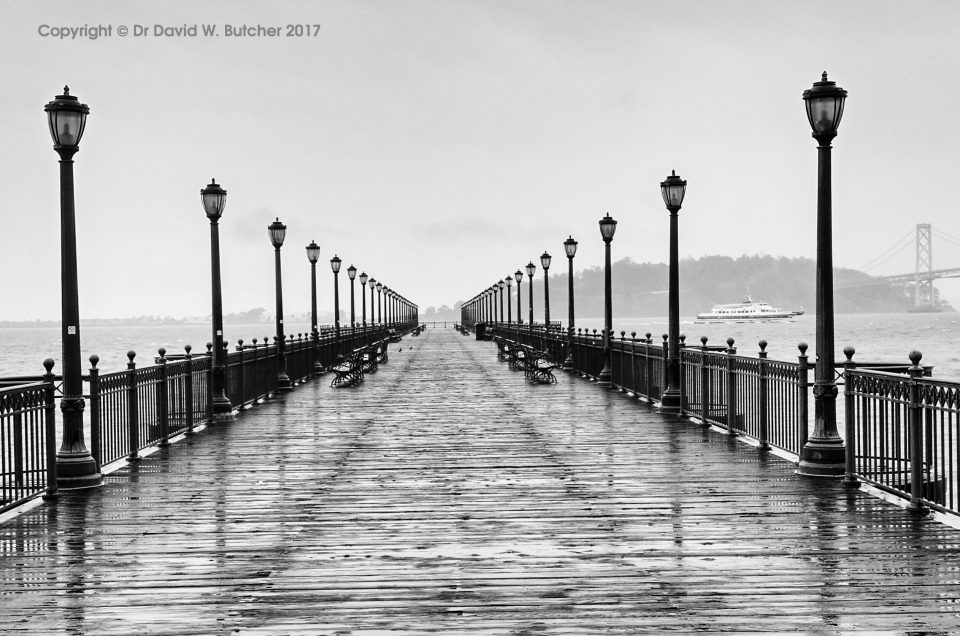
x: 899, y: 246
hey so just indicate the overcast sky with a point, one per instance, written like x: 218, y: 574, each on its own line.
x: 439, y: 145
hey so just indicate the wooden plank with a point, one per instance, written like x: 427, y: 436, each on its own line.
x: 446, y: 494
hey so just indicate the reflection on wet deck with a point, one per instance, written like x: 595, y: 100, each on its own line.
x: 445, y: 494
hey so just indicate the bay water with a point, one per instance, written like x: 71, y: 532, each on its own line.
x: 876, y: 338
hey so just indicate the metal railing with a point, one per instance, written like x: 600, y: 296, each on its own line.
x: 139, y: 407
x: 903, y: 435
x: 902, y: 428
x: 27, y: 435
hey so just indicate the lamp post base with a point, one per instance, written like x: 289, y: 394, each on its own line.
x: 568, y: 363
x: 284, y: 385
x: 605, y: 379
x: 823, y: 458
x: 318, y: 369
x: 223, y: 410
x: 75, y: 471
x: 670, y: 403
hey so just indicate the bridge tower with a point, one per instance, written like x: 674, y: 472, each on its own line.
x: 924, y: 294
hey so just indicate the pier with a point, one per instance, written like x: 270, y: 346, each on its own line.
x: 447, y: 494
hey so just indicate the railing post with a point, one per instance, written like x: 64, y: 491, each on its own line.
x: 633, y: 363
x: 762, y: 380
x: 242, y: 372
x: 210, y: 384
x: 850, y: 425
x: 50, y: 428
x: 705, y: 391
x: 682, y: 376
x: 188, y: 390
x: 803, y: 388
x: 163, y: 408
x: 620, y: 383
x: 664, y: 367
x: 648, y: 367
x: 916, y: 437
x: 133, y: 412
x: 731, y: 388
x: 96, y: 442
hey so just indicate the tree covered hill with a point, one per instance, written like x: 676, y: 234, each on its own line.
x: 640, y: 289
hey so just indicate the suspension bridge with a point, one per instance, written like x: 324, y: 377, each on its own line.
x: 926, y: 297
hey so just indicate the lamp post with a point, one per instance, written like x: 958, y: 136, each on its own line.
x: 545, y: 262
x: 823, y: 454
x: 531, y: 269
x: 673, y: 190
x: 352, y: 274
x: 277, y: 232
x: 363, y: 298
x: 335, y: 268
x: 570, y: 247
x: 509, y: 282
x: 379, y: 312
x: 76, y: 467
x: 500, y: 286
x: 214, y: 199
x: 518, y: 276
x: 607, y: 227
x: 313, y: 255
x: 373, y: 293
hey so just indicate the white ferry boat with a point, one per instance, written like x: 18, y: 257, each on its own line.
x: 748, y: 311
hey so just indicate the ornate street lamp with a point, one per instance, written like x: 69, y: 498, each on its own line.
x: 509, y: 282
x: 531, y: 269
x: 277, y: 232
x: 335, y: 268
x: 545, y: 262
x: 379, y: 312
x: 570, y: 247
x: 352, y: 274
x: 824, y: 453
x: 363, y: 298
x: 373, y: 292
x: 76, y: 467
x: 214, y: 199
x: 673, y: 189
x: 607, y: 228
x: 518, y: 276
x: 313, y: 255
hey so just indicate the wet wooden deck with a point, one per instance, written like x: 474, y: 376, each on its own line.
x: 446, y: 495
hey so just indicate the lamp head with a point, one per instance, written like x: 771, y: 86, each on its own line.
x: 607, y: 228
x: 214, y: 199
x: 67, y: 118
x: 313, y: 252
x: 824, y: 102
x: 335, y: 264
x: 277, y: 231
x: 570, y: 247
x: 673, y: 188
